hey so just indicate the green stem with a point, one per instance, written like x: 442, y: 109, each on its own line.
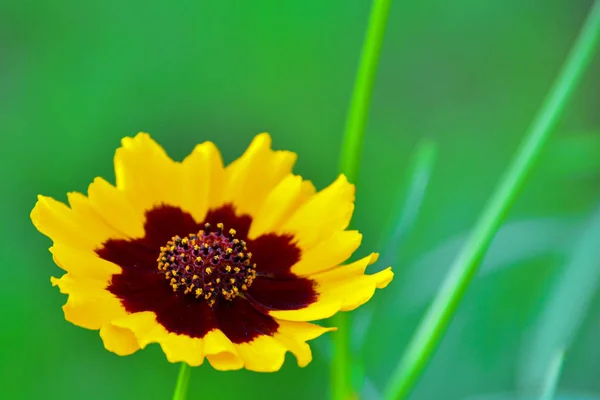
x: 363, y: 89
x: 183, y: 379
x: 349, y: 163
x: 441, y: 311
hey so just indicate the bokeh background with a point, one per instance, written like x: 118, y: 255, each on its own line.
x: 459, y: 80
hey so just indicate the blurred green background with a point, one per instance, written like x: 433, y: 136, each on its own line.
x: 467, y: 75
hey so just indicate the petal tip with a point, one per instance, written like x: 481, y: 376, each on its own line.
x: 384, y: 278
x: 262, y: 140
x: 128, y: 141
x: 374, y: 258
x: 264, y: 136
x: 342, y: 181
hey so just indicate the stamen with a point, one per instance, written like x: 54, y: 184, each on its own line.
x: 208, y: 265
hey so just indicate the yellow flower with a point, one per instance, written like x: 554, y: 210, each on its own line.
x: 223, y: 263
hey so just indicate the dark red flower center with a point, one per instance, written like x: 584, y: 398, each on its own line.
x: 207, y: 265
x: 141, y: 286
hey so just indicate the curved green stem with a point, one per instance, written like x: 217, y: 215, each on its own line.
x: 349, y: 163
x: 443, y: 308
x: 183, y: 379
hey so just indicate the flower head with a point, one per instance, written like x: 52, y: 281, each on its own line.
x: 220, y: 263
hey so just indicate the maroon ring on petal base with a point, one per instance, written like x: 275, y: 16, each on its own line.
x: 141, y: 286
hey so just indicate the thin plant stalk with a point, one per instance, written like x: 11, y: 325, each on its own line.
x: 444, y: 306
x: 349, y: 164
x: 183, y: 380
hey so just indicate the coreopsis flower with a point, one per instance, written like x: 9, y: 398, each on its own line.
x: 220, y: 263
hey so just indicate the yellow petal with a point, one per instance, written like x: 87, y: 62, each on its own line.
x: 177, y: 348
x: 89, y: 305
x: 225, y: 361
x: 181, y: 348
x: 57, y: 221
x: 217, y: 343
x: 328, y: 254
x: 116, y: 210
x: 279, y: 205
x: 87, y: 216
x: 83, y: 263
x: 127, y: 332
x: 308, y: 190
x: 327, y: 212
x: 293, y: 335
x: 146, y: 174
x: 251, y: 177
x: 143, y: 325
x: 263, y: 354
x: 340, y: 289
x: 204, y: 179
x: 118, y: 340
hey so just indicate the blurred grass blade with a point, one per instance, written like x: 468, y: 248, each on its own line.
x: 566, y: 308
x: 409, y: 203
x: 403, y: 218
x: 341, y: 386
x: 553, y: 375
x: 515, y: 243
x: 441, y: 311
